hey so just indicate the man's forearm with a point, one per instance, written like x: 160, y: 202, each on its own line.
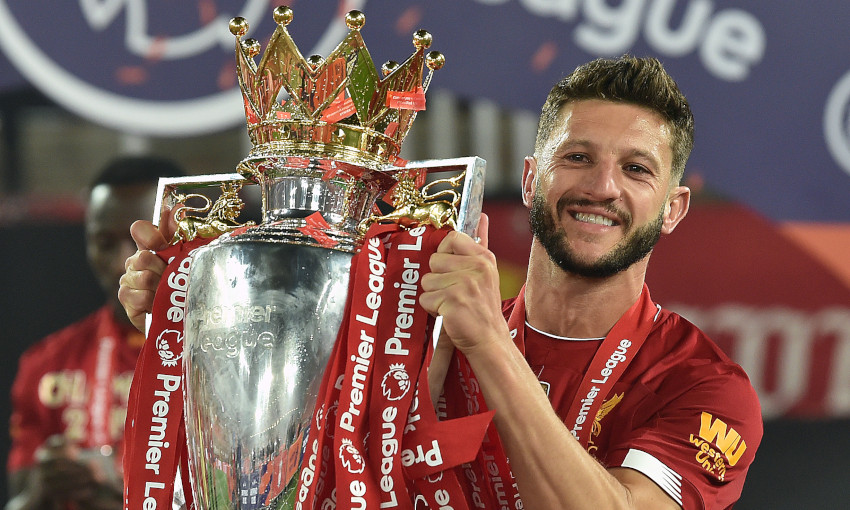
x: 552, y: 469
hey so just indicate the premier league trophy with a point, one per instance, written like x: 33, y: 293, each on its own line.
x: 264, y: 303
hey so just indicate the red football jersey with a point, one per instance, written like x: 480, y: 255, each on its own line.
x: 75, y: 382
x: 683, y: 413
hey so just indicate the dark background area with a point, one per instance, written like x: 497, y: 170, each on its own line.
x: 46, y: 284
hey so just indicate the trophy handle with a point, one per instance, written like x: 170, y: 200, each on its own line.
x: 169, y: 189
x: 471, y: 198
x: 468, y: 211
x: 173, y: 190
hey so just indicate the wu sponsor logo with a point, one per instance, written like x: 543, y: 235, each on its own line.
x: 718, y: 445
x: 727, y: 440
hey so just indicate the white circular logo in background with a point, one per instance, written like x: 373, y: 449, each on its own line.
x: 182, y: 117
x: 836, y: 122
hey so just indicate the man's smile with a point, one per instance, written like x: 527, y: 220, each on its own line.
x: 592, y: 218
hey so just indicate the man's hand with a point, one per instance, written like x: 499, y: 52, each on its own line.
x: 463, y: 287
x: 143, y: 270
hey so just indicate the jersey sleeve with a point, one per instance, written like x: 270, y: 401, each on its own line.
x: 700, y: 444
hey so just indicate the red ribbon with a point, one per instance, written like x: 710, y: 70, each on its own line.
x: 250, y: 113
x: 461, y: 437
x: 154, y: 433
x: 315, y: 227
x: 342, y: 107
x: 375, y: 438
x: 489, y: 482
x: 414, y: 100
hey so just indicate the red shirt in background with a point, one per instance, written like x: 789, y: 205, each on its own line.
x: 74, y: 382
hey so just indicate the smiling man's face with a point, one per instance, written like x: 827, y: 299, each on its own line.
x: 601, y: 187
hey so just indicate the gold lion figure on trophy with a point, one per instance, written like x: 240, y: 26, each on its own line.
x: 415, y: 207
x: 221, y: 217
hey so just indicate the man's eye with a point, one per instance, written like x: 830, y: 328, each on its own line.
x: 577, y: 157
x: 638, y: 169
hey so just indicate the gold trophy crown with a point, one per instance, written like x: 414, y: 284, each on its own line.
x: 335, y: 108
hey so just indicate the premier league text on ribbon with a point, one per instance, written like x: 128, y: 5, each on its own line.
x: 618, y: 356
x: 177, y: 283
x: 393, y: 346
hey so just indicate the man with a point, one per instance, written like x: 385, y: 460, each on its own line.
x: 664, y: 418
x: 602, y: 186
x: 70, y: 394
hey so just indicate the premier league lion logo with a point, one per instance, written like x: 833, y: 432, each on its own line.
x: 163, y: 347
x: 330, y: 418
x: 396, y: 382
x: 351, y: 458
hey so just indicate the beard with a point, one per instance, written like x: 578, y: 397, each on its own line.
x: 631, y: 249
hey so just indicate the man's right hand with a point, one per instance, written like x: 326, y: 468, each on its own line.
x: 143, y: 270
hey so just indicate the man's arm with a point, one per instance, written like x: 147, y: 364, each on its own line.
x: 551, y: 468
x: 22, y: 496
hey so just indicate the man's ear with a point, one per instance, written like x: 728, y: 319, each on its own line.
x: 678, y: 202
x: 529, y: 180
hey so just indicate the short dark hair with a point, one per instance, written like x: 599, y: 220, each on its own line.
x: 628, y: 79
x: 129, y: 170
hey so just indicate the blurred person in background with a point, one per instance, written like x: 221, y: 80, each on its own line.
x: 69, y: 398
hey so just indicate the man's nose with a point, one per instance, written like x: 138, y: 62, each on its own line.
x: 601, y: 182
